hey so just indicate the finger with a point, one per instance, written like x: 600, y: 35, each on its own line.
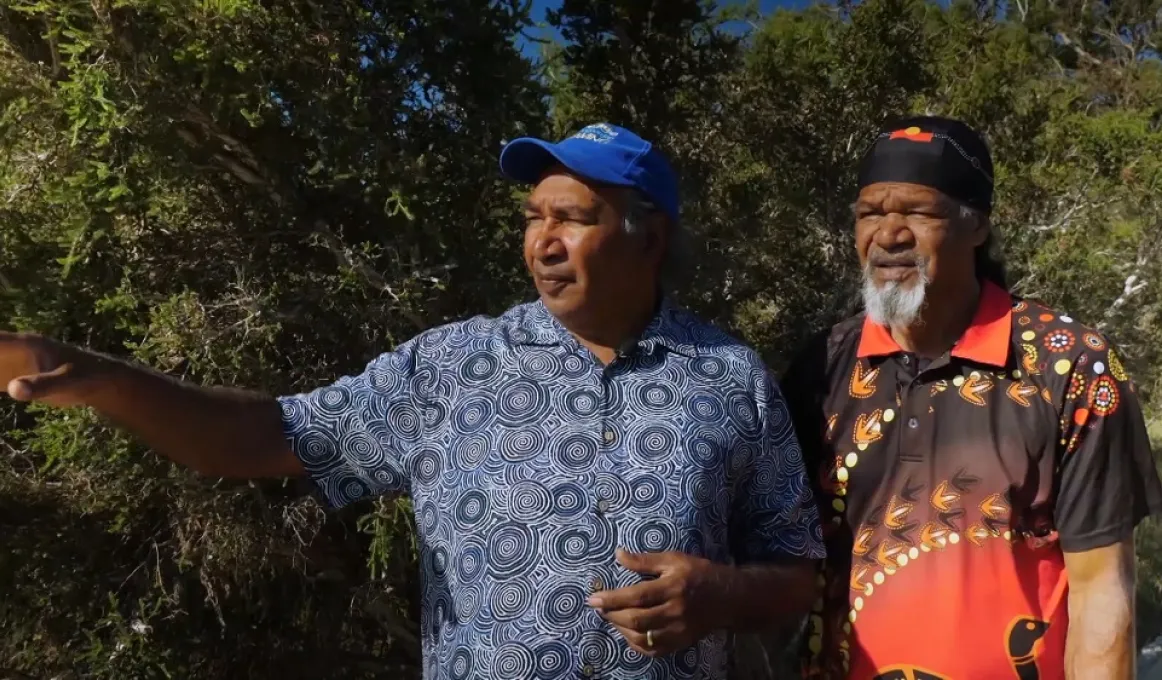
x: 41, y: 385
x: 637, y: 641
x: 665, y: 641
x: 640, y: 620
x: 638, y: 596
x: 644, y: 563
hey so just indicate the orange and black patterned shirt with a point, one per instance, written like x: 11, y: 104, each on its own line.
x: 950, y: 488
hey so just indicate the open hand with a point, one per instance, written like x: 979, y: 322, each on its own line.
x: 34, y: 368
x: 668, y: 613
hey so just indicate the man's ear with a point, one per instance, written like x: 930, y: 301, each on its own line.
x: 977, y: 227
x: 657, y: 230
x: 982, y: 229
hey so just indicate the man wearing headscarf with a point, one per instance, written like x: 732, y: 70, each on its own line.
x: 981, y: 459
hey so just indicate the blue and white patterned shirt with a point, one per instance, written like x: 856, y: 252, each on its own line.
x: 529, y: 462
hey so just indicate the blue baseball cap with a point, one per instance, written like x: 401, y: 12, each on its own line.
x: 603, y: 153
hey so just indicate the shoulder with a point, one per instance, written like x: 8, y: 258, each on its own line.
x: 1067, y: 353
x: 847, y: 331
x: 457, y: 340
x: 715, y: 357
x: 701, y: 339
x: 823, y: 352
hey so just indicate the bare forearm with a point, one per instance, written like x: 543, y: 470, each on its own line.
x: 216, y: 431
x: 1100, y: 642
x: 1101, y: 650
x: 763, y: 597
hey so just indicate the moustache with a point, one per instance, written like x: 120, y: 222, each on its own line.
x: 883, y: 259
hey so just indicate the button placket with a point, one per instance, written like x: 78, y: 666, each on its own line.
x: 607, y: 429
x: 907, y: 446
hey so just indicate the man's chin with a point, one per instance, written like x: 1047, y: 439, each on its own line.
x: 559, y: 302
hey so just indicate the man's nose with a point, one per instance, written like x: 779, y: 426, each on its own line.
x: 548, y: 245
x: 893, y: 233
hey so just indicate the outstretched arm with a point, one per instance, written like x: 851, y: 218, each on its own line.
x: 215, y: 431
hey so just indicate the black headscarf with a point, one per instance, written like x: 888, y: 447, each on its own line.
x: 941, y: 153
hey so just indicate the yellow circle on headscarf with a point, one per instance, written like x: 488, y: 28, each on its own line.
x: 913, y: 130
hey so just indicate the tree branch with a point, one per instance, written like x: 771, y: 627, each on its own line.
x: 234, y: 156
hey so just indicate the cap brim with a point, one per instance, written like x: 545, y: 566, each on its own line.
x: 527, y: 159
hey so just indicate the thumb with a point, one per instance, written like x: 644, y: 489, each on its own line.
x: 40, y: 386
x: 643, y: 563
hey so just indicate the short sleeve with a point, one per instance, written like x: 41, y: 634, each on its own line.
x: 1107, y: 481
x: 775, y: 514
x: 354, y: 437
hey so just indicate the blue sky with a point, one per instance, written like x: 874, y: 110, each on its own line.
x: 539, y: 6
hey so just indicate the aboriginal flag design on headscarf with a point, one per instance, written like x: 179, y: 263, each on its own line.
x: 941, y: 153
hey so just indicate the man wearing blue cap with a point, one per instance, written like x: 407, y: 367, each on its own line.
x: 603, y: 484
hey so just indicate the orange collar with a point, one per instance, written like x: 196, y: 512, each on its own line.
x: 986, y: 341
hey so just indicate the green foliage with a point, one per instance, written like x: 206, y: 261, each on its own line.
x: 269, y: 194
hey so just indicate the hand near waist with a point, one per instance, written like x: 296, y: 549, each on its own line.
x: 668, y: 613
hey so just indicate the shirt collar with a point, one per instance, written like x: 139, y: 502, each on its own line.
x: 985, y: 341
x: 672, y: 328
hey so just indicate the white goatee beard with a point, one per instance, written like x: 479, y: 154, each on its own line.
x: 893, y: 304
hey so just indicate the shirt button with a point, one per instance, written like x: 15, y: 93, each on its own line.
x: 609, y: 436
x: 587, y: 671
x: 596, y: 585
x: 913, y: 423
x: 603, y: 506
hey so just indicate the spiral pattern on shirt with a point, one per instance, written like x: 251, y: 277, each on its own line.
x: 512, y: 549
x: 553, y: 660
x: 530, y: 501
x: 471, y: 508
x: 474, y: 414
x: 576, y: 453
x: 522, y: 401
x: 569, y: 500
x: 471, y: 560
x: 513, y: 660
x: 568, y: 549
x: 560, y: 603
x: 468, y: 453
x: 479, y: 368
x: 462, y: 664
x: 517, y: 446
x: 529, y: 464
x: 647, y: 492
x: 511, y: 599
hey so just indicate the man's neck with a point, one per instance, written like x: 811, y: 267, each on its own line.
x: 940, y: 326
x: 608, y: 335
